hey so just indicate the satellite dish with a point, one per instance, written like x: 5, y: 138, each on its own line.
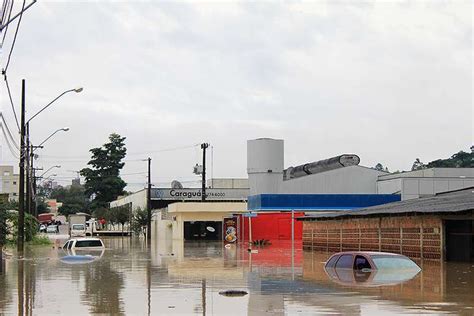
x: 175, y: 184
x: 211, y: 229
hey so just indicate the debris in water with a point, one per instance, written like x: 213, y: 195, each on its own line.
x: 237, y: 293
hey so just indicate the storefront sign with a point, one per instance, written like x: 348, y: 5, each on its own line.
x: 195, y: 194
x: 230, y: 230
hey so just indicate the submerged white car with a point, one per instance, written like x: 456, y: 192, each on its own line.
x: 84, y: 244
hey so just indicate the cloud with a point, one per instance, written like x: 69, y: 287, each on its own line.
x: 388, y: 81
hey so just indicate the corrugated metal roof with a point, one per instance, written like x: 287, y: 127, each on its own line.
x: 449, y: 202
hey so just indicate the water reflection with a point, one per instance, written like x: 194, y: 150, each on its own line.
x: 186, y: 278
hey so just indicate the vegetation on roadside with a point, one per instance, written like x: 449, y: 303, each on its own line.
x: 73, y: 199
x: 139, y: 221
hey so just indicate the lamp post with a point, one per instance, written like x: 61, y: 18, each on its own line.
x: 64, y: 129
x: 21, y: 193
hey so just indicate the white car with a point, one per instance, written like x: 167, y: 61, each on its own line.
x: 52, y: 229
x: 84, y: 244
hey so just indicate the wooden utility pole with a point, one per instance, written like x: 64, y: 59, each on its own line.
x: 148, y: 202
x: 21, y: 193
x: 204, y: 146
x: 27, y: 157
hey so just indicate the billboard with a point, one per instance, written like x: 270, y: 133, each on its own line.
x: 195, y: 194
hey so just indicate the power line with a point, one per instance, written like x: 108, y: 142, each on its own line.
x: 14, y: 38
x: 8, y: 19
x: 12, y: 149
x: 9, y: 132
x: 11, y: 100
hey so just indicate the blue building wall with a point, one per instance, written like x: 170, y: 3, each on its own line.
x: 317, y: 202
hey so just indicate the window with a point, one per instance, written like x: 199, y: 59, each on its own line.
x: 361, y: 262
x: 66, y: 245
x: 70, y: 245
x: 6, y: 173
x: 88, y: 243
x: 344, y: 262
x: 393, y: 262
x: 14, y: 182
x: 78, y: 227
x: 332, y: 262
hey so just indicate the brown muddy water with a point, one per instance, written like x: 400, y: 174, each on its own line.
x: 188, y: 279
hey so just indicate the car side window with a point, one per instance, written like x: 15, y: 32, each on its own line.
x: 70, y: 245
x: 361, y: 262
x: 66, y: 245
x: 332, y: 262
x: 344, y: 262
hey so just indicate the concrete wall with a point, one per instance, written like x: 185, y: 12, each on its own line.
x: 137, y: 199
x: 353, y: 179
x: 427, y: 182
x: 186, y: 212
x: 413, y: 236
x: 228, y: 183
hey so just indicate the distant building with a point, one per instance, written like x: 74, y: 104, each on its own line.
x: 9, y: 183
x: 76, y: 182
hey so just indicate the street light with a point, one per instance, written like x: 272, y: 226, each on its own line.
x: 65, y: 129
x: 77, y: 90
x: 58, y: 166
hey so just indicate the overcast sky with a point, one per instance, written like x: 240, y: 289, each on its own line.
x: 389, y: 81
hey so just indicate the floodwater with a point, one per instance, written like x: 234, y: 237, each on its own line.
x: 186, y: 278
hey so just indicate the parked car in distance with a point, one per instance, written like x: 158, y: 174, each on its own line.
x: 42, y: 228
x: 78, y: 230
x: 84, y: 244
x: 368, y: 261
x: 52, y: 229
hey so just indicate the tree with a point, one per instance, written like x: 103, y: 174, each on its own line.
x: 102, y: 179
x: 461, y: 159
x: 140, y: 220
x: 120, y: 215
x: 380, y: 167
x: 73, y: 199
x: 418, y: 165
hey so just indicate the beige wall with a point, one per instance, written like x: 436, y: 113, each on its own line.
x: 9, y: 182
x: 184, y: 212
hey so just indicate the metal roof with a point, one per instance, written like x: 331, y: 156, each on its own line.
x: 448, y: 202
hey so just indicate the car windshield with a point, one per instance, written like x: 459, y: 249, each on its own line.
x: 393, y: 262
x: 78, y: 227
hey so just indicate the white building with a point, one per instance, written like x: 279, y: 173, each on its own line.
x: 9, y: 183
x: 342, y: 175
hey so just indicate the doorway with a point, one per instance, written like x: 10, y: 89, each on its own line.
x: 459, y: 240
x: 203, y: 230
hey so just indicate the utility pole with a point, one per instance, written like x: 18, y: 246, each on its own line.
x: 33, y: 209
x: 204, y: 146
x: 21, y: 193
x: 148, y: 202
x: 27, y: 156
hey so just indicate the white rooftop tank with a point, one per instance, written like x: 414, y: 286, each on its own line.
x: 265, y: 161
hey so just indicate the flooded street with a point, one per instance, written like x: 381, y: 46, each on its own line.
x: 128, y: 278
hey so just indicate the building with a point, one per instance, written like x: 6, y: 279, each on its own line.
x: 439, y: 227
x: 9, y: 183
x: 342, y: 175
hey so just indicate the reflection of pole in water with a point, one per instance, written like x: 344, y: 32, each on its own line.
x: 20, y: 278
x: 148, y: 283
x: 203, y: 296
x: 292, y: 244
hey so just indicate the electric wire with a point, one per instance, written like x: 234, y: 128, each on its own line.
x: 6, y: 28
x: 11, y: 100
x: 12, y: 149
x: 14, y: 38
x: 9, y: 132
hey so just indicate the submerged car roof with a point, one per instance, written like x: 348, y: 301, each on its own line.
x: 367, y: 253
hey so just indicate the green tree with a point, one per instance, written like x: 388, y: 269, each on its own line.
x: 73, y: 199
x: 418, y: 165
x: 121, y: 215
x: 461, y: 159
x: 139, y: 220
x: 102, y: 179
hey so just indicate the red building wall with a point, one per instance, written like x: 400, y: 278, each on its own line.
x: 271, y: 226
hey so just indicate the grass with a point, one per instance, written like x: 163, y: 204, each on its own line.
x: 37, y: 240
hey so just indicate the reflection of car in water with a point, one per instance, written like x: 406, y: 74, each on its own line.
x: 370, y: 268
x: 72, y: 257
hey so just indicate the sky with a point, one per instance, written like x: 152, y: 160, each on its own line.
x: 388, y: 81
